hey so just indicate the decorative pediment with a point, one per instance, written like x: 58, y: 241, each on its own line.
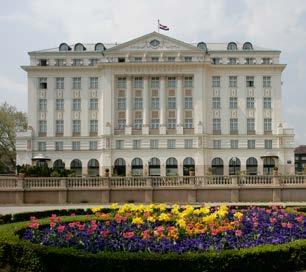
x: 153, y: 42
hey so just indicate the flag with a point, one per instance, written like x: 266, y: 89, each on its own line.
x: 163, y: 27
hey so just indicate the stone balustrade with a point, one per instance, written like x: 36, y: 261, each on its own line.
x: 15, y: 190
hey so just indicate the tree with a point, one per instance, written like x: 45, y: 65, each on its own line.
x: 10, y: 121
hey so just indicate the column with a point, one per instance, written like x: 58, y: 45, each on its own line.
x: 146, y: 106
x: 180, y: 107
x: 163, y: 106
x: 129, y: 106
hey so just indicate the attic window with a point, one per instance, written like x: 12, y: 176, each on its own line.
x: 232, y: 46
x: 99, y: 47
x: 79, y: 47
x: 202, y: 46
x: 247, y: 46
x: 64, y: 47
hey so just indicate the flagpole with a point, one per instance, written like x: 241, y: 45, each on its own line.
x: 158, y: 25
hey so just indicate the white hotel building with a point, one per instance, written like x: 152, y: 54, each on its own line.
x: 157, y: 106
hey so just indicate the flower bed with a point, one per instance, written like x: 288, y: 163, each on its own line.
x: 154, y: 228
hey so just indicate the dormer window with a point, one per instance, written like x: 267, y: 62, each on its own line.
x: 247, y: 46
x: 43, y: 62
x: 232, y: 46
x: 202, y: 46
x: 99, y: 47
x: 79, y: 47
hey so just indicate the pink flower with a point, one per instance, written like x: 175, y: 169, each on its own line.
x: 238, y: 232
x: 289, y: 225
x: 146, y: 234
x: 284, y: 225
x: 299, y: 219
x: 104, y: 233
x: 273, y: 220
x: 128, y: 234
x: 72, y: 224
x: 52, y: 225
x: 60, y: 228
x: 72, y: 214
x: 81, y: 227
x: 34, y: 225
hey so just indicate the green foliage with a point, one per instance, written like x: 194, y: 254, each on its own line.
x: 43, y: 171
x: 10, y: 120
x: 21, y: 255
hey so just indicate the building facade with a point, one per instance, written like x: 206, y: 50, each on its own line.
x: 157, y: 106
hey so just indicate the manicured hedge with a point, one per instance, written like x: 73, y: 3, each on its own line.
x: 20, y: 255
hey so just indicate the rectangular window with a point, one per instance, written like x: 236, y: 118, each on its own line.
x: 266, y: 81
x: 217, y: 144
x: 136, y: 144
x: 138, y: 59
x: 77, y: 62
x: 232, y: 61
x: 155, y: 103
x: 154, y: 123
x: 138, y: 123
x: 93, y: 145
x: 121, y: 82
x: 267, y: 124
x: 233, y: 82
x: 138, y: 103
x: 171, y: 82
x: 121, y: 123
x: 41, y: 146
x: 188, y: 82
x: 119, y: 144
x: 171, y: 59
x: 188, y: 59
x: 188, y: 103
x: 121, y: 103
x: 251, y: 144
x: 42, y: 105
x: 267, y: 103
x: 216, y: 125
x: 94, y: 83
x: 60, y: 62
x: 59, y: 104
x: 59, y: 83
x: 171, y: 102
x: 138, y: 82
x: 216, y: 102
x: 76, y: 146
x: 234, y: 144
x: 43, y: 83
x: 154, y: 59
x: 216, y: 81
x: 268, y: 144
x: 42, y: 128
x: 76, y: 127
x: 233, y: 103
x: 93, y: 62
x: 250, y: 125
x: 58, y: 146
x: 249, y: 61
x: 215, y: 60
x: 249, y: 81
x: 171, y: 144
x: 76, y: 83
x: 234, y: 125
x: 93, y: 104
x: 171, y: 123
x: 59, y: 126
x: 154, y: 82
x: 154, y: 144
x: 250, y: 102
x: 188, y: 123
x: 93, y: 126
x: 121, y: 59
x: 266, y: 60
x: 188, y: 143
x: 76, y: 104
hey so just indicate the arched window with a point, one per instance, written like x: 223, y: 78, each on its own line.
x: 64, y: 47
x: 137, y: 167
x: 154, y: 167
x: 93, y: 168
x: 76, y: 166
x: 171, y: 167
x: 79, y: 47
x: 251, y: 166
x: 217, y: 167
x: 234, y: 166
x: 59, y: 165
x: 232, y: 46
x: 188, y: 165
x: 247, y: 46
x: 268, y: 165
x: 202, y: 46
x: 119, y: 167
x: 99, y: 47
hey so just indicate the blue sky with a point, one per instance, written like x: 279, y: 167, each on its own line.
x: 38, y: 24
